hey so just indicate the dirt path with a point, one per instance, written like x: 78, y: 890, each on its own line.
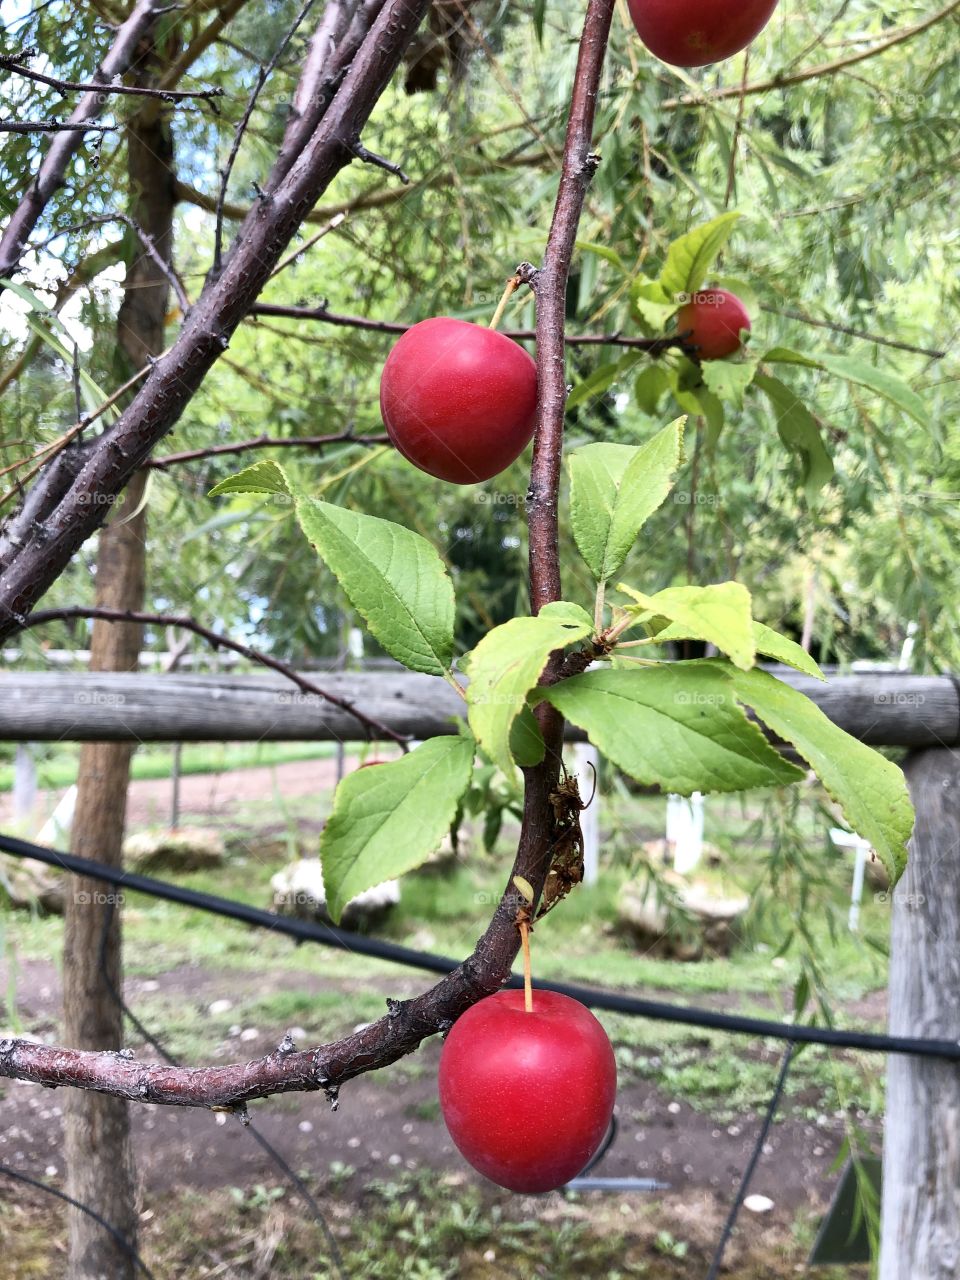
x: 388, y: 1121
x: 202, y: 795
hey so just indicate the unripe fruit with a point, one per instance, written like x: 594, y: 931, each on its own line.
x: 527, y: 1097
x: 458, y: 401
x: 713, y: 320
x: 693, y: 33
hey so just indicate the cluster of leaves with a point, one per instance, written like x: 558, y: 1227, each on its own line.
x: 680, y: 725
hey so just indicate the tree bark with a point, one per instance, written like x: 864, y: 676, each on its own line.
x: 921, y: 1159
x: 99, y: 1156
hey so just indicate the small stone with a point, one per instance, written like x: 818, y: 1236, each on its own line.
x: 673, y: 1108
x: 249, y: 1033
x: 395, y: 1160
x: 50, y: 1171
x: 305, y: 1126
x: 353, y: 1143
x: 150, y: 985
x: 758, y: 1204
x: 220, y: 1006
x: 490, y: 1256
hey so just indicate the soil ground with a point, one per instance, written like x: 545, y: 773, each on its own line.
x: 387, y: 1129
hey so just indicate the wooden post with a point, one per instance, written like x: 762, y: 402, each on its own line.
x: 24, y: 783
x: 175, y: 786
x: 920, y: 1233
x: 99, y: 1154
x: 587, y: 768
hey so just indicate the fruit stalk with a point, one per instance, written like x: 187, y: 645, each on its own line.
x: 527, y: 973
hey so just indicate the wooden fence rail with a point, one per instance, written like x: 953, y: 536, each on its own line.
x: 885, y: 709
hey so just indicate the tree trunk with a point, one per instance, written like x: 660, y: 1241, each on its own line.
x: 920, y: 1236
x: 98, y: 1152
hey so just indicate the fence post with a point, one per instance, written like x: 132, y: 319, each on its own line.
x: 920, y: 1233
x: 24, y: 783
x: 587, y: 766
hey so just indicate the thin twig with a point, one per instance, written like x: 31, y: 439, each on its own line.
x: 375, y: 728
x: 802, y: 316
x: 53, y: 167
x: 54, y: 126
x: 654, y: 346
x: 263, y: 74
x: 813, y: 73
x: 366, y: 156
x: 265, y: 442
x: 70, y: 86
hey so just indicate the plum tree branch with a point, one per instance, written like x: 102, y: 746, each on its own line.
x: 411, y: 1021
x: 894, y: 38
x: 177, y: 375
x: 263, y: 75
x: 653, y: 346
x: 265, y: 442
x: 139, y: 91
x: 379, y: 198
x: 53, y: 167
x: 375, y: 729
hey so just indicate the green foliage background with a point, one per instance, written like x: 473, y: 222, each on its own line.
x: 846, y: 186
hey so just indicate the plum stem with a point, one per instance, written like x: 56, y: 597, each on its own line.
x: 527, y: 978
x: 512, y: 285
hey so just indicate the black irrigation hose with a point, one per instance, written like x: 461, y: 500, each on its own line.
x: 327, y: 935
x: 748, y: 1173
x: 61, y: 1195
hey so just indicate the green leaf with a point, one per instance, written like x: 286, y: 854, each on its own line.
x: 773, y: 645
x: 393, y: 577
x: 784, y: 355
x: 690, y: 258
x: 729, y: 379
x: 603, y: 251
x: 651, y: 303
x: 599, y: 382
x: 526, y: 741
x: 506, y: 665
x: 679, y: 726
x: 649, y: 387
x: 614, y: 489
x: 883, y: 383
x: 262, y: 477
x: 389, y: 819
x: 721, y: 614
x: 799, y: 431
x: 870, y: 789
